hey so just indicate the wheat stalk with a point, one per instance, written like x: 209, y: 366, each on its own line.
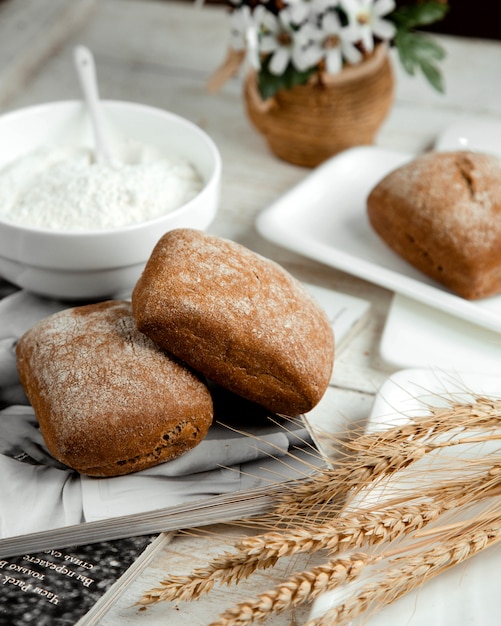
x: 299, y: 588
x: 322, y: 512
x: 264, y: 551
x: 402, y: 575
x: 370, y: 457
x: 408, y: 573
x: 349, y: 532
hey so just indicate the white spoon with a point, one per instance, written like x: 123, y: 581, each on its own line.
x: 84, y: 62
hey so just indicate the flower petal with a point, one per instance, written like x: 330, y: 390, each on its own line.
x: 334, y: 61
x: 352, y: 32
x: 350, y: 53
x: 299, y: 12
x: 383, y: 7
x: 383, y: 28
x: 367, y: 38
x: 331, y: 24
x: 279, y: 61
x: 352, y: 7
x: 268, y: 43
x: 305, y: 58
x: 269, y: 22
x: 323, y: 5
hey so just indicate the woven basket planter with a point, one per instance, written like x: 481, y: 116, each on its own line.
x: 310, y: 123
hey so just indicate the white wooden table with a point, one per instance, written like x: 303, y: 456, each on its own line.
x: 161, y: 54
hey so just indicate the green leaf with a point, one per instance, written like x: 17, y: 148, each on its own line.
x: 433, y: 76
x: 408, y: 17
x: 421, y: 47
x: 428, y: 47
x: 269, y: 84
x: 417, y: 51
x: 403, y: 44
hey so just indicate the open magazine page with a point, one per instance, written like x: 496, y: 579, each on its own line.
x: 58, y: 587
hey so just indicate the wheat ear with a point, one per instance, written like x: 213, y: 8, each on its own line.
x: 349, y: 532
x: 299, y: 588
x: 406, y: 573
x: 376, y: 456
x: 369, y: 457
x: 263, y: 551
x: 402, y: 575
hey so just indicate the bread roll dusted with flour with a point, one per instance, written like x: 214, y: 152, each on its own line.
x: 441, y: 212
x: 236, y: 317
x: 108, y: 400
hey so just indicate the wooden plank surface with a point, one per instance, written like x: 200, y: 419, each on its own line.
x: 30, y: 32
x: 162, y: 54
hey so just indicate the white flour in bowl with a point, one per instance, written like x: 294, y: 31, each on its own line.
x: 65, y: 189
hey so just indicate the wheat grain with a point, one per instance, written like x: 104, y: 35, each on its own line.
x: 407, y: 573
x: 201, y: 580
x: 347, y: 533
x: 322, y: 512
x: 369, y: 457
x: 299, y: 588
x: 261, y: 552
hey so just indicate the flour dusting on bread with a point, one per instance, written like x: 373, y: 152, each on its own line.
x: 108, y: 400
x: 441, y: 212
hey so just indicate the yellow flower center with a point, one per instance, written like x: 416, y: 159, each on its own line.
x: 363, y: 18
x: 284, y: 39
x: 331, y: 42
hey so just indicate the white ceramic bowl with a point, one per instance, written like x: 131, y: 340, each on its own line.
x: 101, y: 263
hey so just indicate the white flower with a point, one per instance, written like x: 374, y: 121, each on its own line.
x: 366, y: 16
x: 334, y: 43
x: 284, y: 42
x: 244, y: 33
x: 301, y: 10
x: 240, y: 21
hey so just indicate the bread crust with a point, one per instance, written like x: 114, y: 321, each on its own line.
x: 441, y: 212
x: 108, y: 400
x: 236, y: 317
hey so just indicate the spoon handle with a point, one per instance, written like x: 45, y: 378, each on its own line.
x: 84, y: 62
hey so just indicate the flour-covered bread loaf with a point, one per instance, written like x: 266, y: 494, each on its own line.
x: 442, y: 213
x: 236, y: 317
x: 108, y: 400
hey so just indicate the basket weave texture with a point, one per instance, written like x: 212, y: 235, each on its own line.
x: 310, y: 123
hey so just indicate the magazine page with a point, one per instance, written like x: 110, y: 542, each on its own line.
x: 58, y: 587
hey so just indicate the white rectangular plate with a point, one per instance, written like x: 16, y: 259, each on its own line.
x: 416, y: 335
x: 324, y: 218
